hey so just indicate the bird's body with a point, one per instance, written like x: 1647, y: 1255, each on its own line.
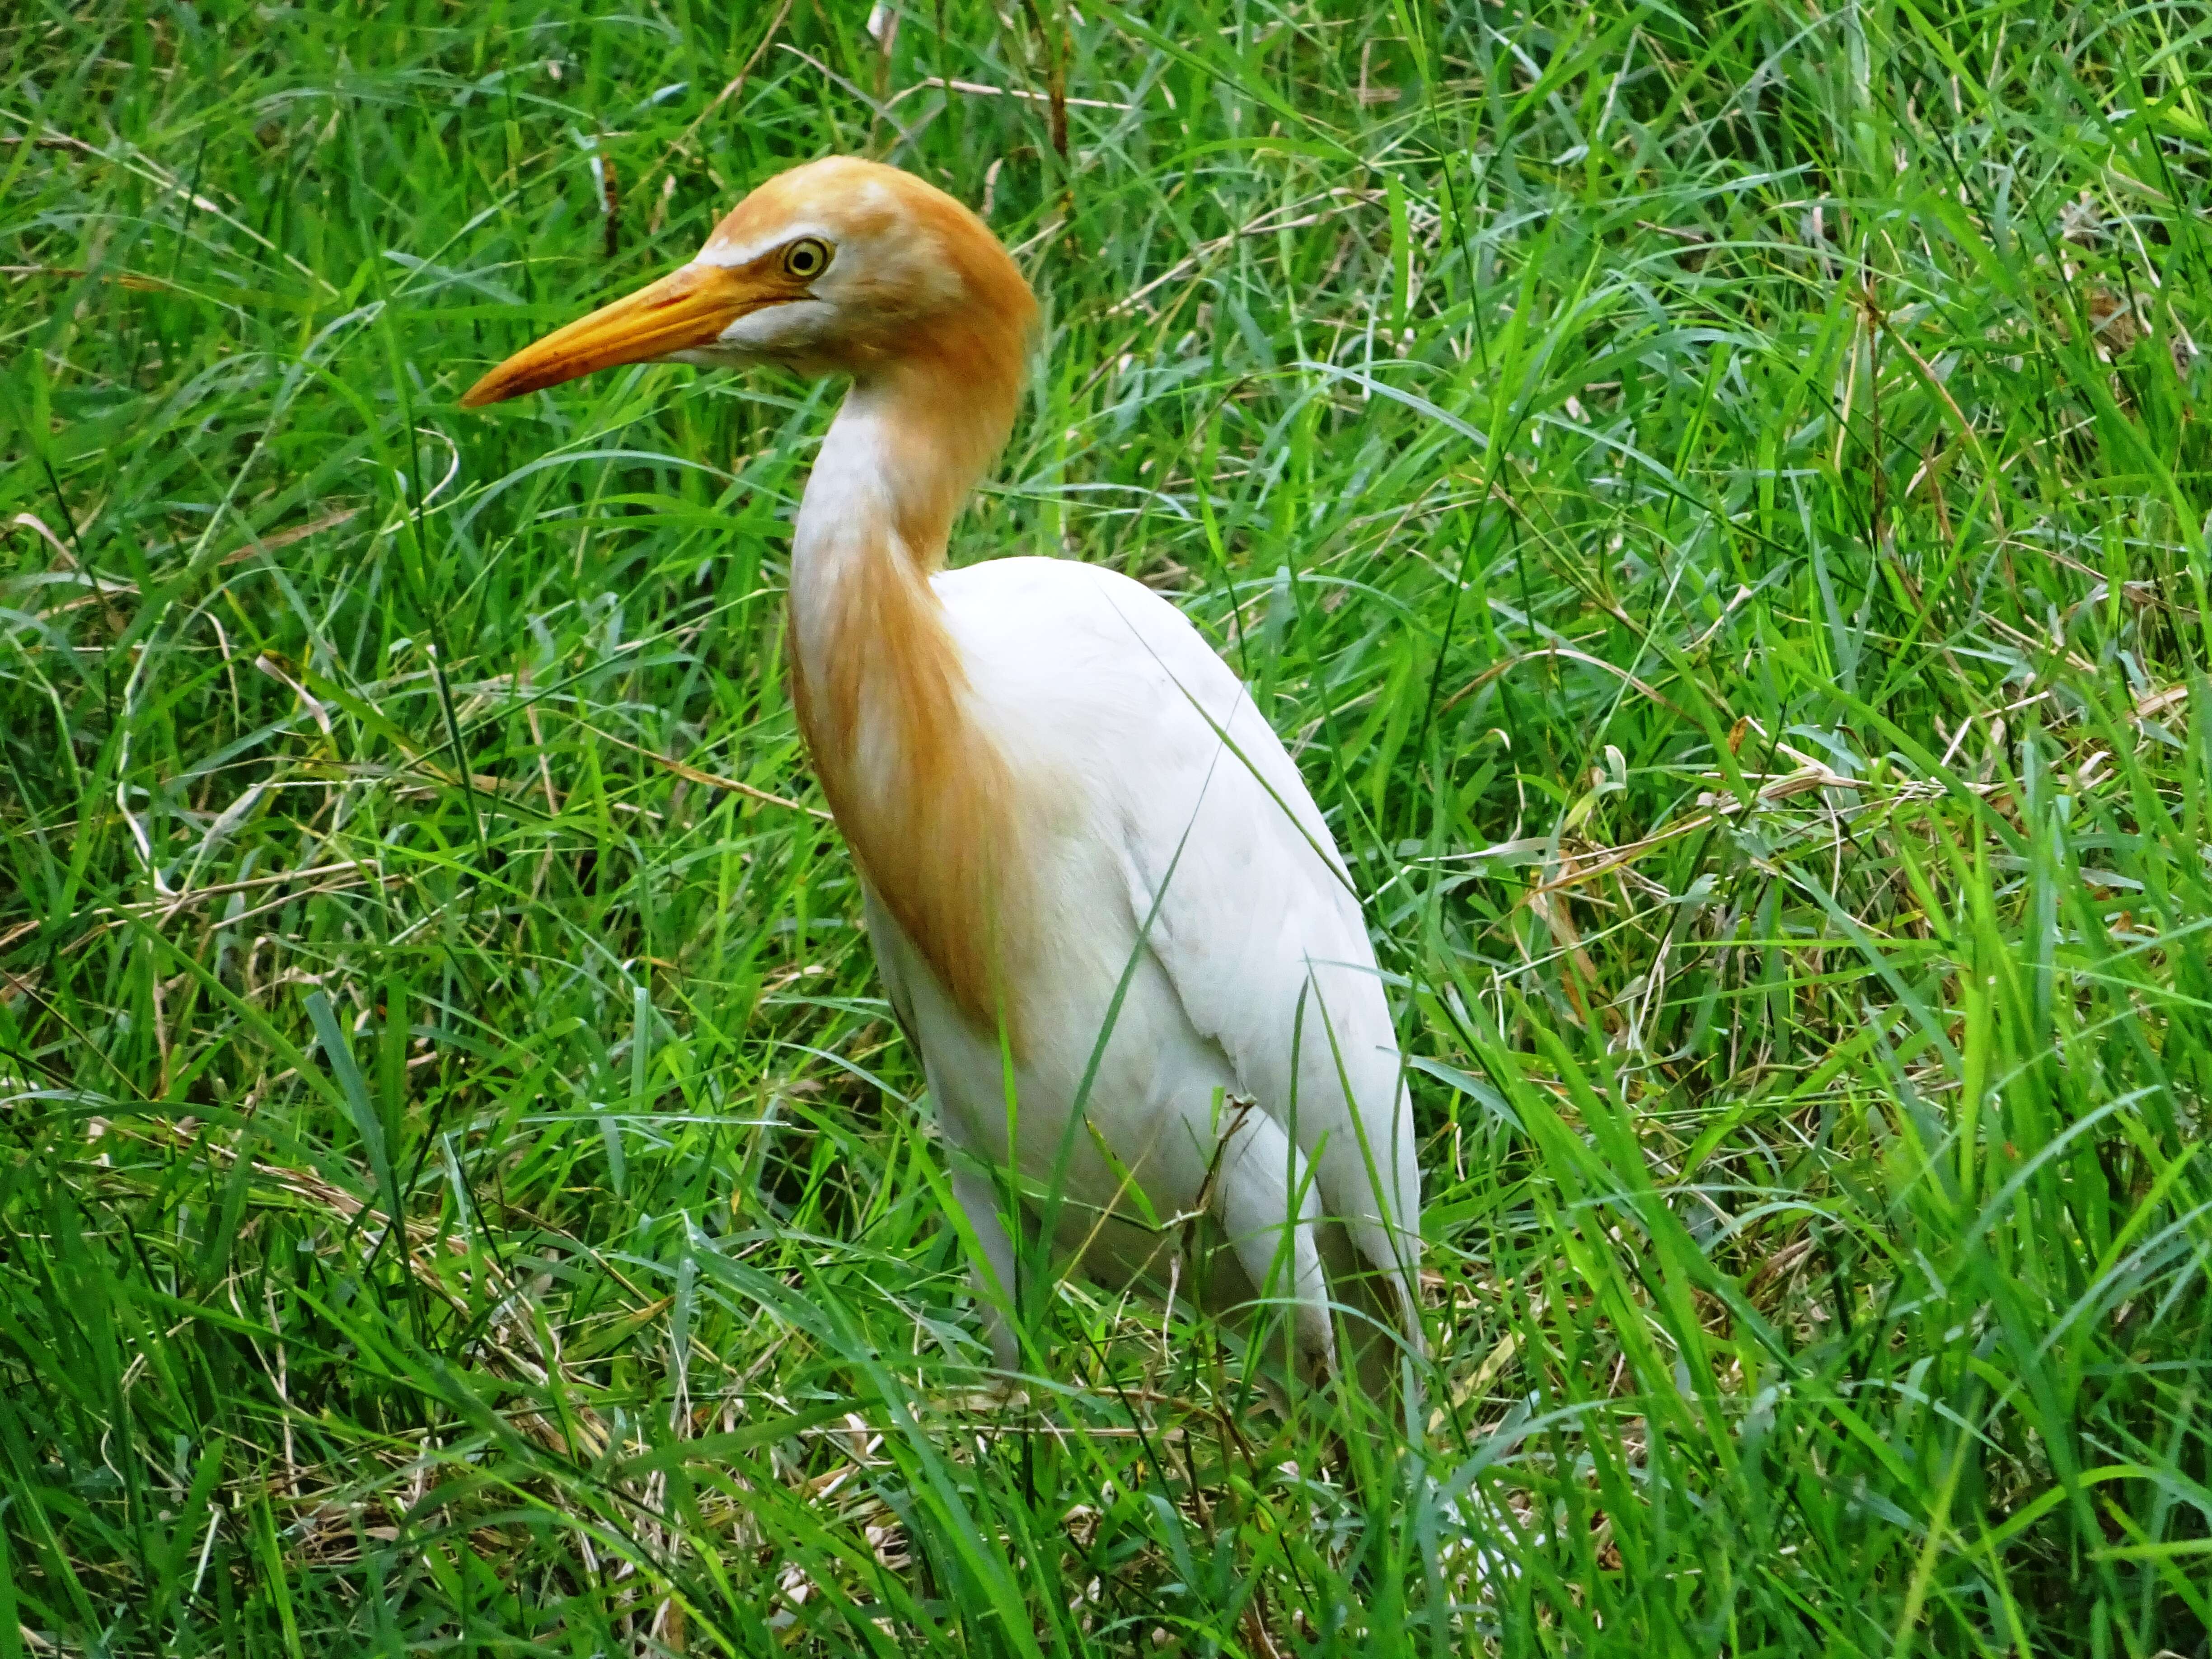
x: 1185, y: 900
x: 1094, y: 878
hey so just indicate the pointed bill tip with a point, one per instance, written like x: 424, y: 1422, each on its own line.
x: 489, y: 390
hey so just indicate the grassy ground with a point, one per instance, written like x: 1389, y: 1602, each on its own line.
x: 1715, y: 496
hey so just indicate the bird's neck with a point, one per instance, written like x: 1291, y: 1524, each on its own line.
x: 921, y: 790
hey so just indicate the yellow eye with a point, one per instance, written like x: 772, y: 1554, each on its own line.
x: 808, y: 257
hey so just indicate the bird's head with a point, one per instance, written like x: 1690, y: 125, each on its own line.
x: 841, y: 266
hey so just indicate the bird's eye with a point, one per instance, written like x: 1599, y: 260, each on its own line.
x: 807, y: 256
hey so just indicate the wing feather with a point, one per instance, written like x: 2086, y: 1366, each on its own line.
x: 1226, y: 865
x: 1256, y: 921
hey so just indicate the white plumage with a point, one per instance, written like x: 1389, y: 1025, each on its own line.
x: 1057, y: 795
x: 1192, y: 858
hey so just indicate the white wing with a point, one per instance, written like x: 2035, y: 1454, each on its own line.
x: 1230, y: 870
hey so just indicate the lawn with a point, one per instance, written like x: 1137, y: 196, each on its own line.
x: 1715, y: 498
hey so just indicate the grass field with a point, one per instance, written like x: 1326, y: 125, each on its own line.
x: 1716, y: 498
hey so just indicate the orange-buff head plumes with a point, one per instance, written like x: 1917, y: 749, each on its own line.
x: 841, y: 266
x: 848, y: 267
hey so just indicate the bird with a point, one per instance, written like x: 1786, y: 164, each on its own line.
x: 1104, y: 907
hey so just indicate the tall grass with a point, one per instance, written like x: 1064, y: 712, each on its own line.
x: 1715, y: 497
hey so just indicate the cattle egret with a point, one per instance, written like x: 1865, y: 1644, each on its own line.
x: 1105, y: 908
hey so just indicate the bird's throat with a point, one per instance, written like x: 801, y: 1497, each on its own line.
x: 922, y: 792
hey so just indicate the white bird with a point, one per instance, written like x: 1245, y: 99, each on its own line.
x: 1068, y: 817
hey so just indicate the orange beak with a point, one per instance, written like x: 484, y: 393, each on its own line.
x: 686, y: 309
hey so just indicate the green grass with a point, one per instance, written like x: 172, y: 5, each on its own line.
x: 1716, y: 500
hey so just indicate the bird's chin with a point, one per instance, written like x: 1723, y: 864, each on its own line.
x: 789, y: 336
x: 805, y: 365
x: 780, y: 333
x: 713, y: 356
